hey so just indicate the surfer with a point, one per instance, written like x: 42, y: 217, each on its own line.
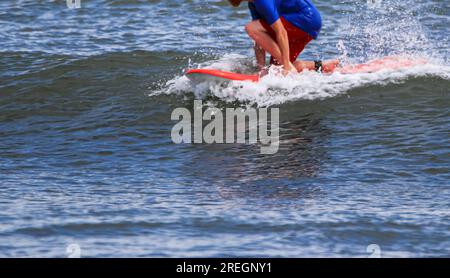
x: 283, y: 28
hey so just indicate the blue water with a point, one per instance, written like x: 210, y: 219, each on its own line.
x: 86, y: 157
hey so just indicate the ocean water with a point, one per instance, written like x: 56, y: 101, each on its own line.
x: 88, y: 167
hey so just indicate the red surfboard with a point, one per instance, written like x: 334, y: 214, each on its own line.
x: 219, y: 74
x: 393, y: 63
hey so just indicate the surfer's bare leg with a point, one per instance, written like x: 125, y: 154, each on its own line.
x: 262, y: 39
x: 260, y: 54
x: 327, y: 66
x: 259, y: 34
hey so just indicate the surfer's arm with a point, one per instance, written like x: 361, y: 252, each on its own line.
x: 283, y: 43
x: 260, y: 54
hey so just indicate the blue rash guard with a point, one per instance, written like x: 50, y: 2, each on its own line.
x: 300, y: 13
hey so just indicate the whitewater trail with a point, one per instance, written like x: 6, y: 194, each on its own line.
x: 274, y: 89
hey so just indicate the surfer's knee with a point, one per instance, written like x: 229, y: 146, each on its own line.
x: 249, y: 28
x: 252, y: 28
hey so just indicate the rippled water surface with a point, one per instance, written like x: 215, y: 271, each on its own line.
x: 86, y: 156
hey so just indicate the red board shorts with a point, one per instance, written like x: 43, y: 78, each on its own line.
x: 298, y: 39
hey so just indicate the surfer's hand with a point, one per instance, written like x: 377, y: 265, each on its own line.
x: 290, y: 68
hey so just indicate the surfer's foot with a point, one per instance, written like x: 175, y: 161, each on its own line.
x: 322, y: 66
x: 263, y: 72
